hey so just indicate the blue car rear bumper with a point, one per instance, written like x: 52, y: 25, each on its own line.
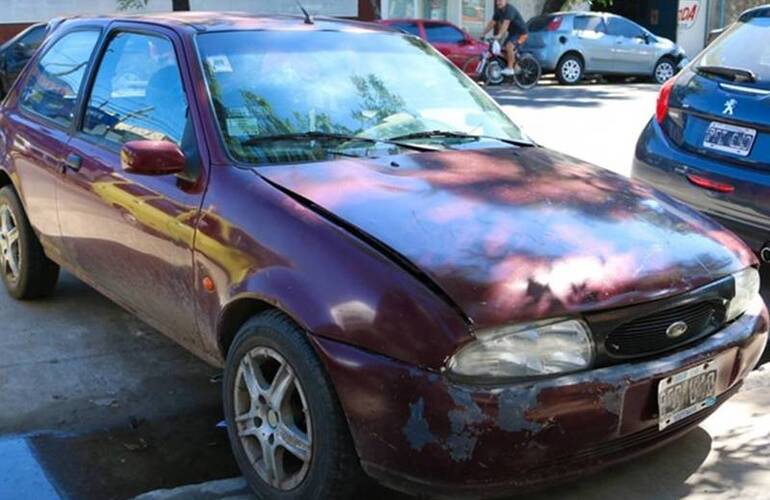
x: 665, y: 166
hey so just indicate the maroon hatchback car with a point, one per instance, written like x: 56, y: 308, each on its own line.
x: 396, y: 280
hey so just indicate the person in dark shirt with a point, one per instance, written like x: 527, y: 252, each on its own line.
x: 510, y: 29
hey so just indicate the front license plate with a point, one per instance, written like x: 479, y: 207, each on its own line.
x: 686, y: 393
x: 729, y: 138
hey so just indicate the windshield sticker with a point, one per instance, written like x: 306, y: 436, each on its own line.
x: 219, y: 64
x: 242, y: 127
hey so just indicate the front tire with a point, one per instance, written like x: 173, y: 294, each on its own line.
x: 665, y: 69
x: 286, y: 428
x: 25, y: 269
x: 570, y: 69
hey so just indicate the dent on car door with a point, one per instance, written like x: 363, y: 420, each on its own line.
x: 39, y: 123
x: 132, y: 235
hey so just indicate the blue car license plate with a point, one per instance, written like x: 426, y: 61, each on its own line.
x: 729, y: 138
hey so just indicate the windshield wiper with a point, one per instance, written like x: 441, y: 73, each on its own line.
x: 734, y: 74
x: 437, y: 134
x: 327, y: 136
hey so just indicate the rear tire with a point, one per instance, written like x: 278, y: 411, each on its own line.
x: 25, y: 269
x: 570, y: 69
x: 302, y: 427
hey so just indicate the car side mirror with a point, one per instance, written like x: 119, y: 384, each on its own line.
x: 152, y: 158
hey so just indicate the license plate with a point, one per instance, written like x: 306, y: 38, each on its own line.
x: 686, y: 393
x: 729, y: 138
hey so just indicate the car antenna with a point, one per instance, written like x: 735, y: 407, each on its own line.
x: 308, y: 17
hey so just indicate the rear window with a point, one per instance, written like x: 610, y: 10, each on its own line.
x: 442, y: 33
x: 539, y: 23
x: 745, y: 45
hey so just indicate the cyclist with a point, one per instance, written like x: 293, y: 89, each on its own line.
x: 510, y: 29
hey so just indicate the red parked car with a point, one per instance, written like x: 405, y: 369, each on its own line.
x: 395, y: 279
x: 456, y: 44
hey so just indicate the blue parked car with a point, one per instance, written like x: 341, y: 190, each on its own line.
x: 575, y: 44
x: 709, y: 142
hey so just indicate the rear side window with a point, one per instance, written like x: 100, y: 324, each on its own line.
x: 745, y: 45
x: 589, y: 23
x: 441, y: 33
x: 33, y: 38
x: 617, y: 26
x: 539, y: 23
x: 410, y: 28
x: 138, y: 92
x: 54, y: 82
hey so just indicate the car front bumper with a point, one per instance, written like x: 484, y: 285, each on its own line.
x: 418, y: 431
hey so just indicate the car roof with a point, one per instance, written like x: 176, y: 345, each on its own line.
x: 761, y: 11
x: 201, y: 21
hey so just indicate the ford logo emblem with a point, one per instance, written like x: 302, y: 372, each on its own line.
x: 676, y: 330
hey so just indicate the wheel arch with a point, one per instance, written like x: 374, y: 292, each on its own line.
x: 5, y: 179
x: 573, y: 52
x: 240, y: 310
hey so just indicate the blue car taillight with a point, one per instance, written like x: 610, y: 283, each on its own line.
x: 672, y: 120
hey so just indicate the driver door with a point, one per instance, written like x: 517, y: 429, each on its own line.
x: 129, y: 235
x: 633, y: 54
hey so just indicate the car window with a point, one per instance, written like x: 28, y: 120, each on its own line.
x: 54, y: 82
x: 441, y: 33
x: 34, y: 37
x: 410, y: 28
x: 617, y: 26
x: 138, y: 92
x: 589, y: 23
x: 336, y: 83
x: 745, y: 45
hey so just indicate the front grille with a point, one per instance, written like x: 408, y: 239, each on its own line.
x: 648, y: 334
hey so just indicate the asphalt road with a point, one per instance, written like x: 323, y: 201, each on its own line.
x: 97, y: 405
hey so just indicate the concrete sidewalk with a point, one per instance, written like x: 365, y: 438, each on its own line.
x: 727, y: 457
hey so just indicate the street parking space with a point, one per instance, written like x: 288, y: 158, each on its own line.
x: 98, y: 405
x: 595, y: 121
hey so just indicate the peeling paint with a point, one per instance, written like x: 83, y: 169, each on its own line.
x: 463, y: 420
x: 612, y: 400
x: 513, y: 407
x: 416, y: 429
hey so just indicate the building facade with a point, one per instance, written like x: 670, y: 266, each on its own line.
x: 470, y: 15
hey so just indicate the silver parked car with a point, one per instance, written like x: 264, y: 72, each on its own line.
x: 574, y: 44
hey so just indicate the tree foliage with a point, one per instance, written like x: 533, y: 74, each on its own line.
x: 557, y: 5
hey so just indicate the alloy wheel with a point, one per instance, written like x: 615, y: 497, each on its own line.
x: 272, y: 418
x: 664, y: 72
x: 10, y: 252
x: 571, y: 70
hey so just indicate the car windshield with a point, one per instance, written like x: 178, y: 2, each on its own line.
x: 744, y: 47
x: 295, y: 86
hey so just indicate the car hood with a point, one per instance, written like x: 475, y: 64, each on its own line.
x: 518, y: 234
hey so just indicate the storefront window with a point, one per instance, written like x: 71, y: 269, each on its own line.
x: 401, y: 9
x: 434, y: 9
x: 474, y: 16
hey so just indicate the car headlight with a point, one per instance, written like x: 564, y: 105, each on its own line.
x: 746, y: 292
x: 530, y: 350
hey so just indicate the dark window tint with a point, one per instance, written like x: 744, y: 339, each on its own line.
x: 617, y: 26
x: 137, y: 93
x: 441, y: 33
x: 539, y: 23
x: 53, y: 86
x: 410, y: 28
x: 33, y: 38
x: 589, y: 23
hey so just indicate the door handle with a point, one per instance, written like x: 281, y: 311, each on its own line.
x: 73, y: 162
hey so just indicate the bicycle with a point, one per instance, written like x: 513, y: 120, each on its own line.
x: 488, y: 68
